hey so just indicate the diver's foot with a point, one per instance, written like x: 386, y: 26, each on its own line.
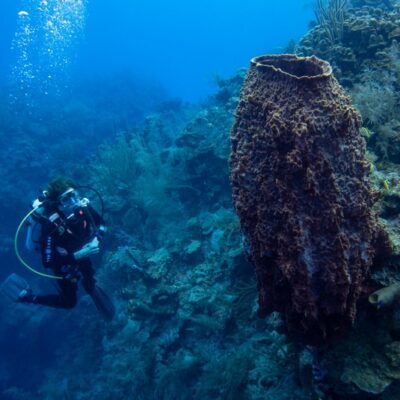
x: 26, y: 296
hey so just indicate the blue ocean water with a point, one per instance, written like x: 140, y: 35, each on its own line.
x: 114, y: 93
x: 179, y: 44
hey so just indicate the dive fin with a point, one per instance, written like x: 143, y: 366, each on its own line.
x: 103, y: 303
x: 13, y: 286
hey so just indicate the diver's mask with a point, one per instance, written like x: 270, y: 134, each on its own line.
x: 69, y: 201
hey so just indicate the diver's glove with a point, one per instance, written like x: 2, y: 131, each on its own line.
x: 88, y: 249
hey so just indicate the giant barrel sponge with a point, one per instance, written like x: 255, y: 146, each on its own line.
x: 301, y: 190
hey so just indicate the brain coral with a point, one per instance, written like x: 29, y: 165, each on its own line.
x: 301, y: 190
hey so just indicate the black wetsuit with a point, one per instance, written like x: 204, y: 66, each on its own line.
x: 59, y: 240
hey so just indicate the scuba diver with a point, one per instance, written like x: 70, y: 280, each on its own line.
x: 70, y: 232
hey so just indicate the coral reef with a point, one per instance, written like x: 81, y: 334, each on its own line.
x: 186, y: 296
x: 365, y: 35
x: 330, y: 17
x: 186, y: 299
x: 186, y: 324
x: 366, y: 363
x: 300, y: 188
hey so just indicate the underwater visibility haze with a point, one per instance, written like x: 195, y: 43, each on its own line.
x: 179, y: 44
x: 200, y: 200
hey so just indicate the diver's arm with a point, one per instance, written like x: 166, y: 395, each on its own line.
x: 88, y: 249
x: 53, y: 255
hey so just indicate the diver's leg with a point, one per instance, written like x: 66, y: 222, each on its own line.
x: 87, y: 271
x: 65, y: 299
x: 100, y: 299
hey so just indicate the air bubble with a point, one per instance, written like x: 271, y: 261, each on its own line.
x: 45, y: 41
